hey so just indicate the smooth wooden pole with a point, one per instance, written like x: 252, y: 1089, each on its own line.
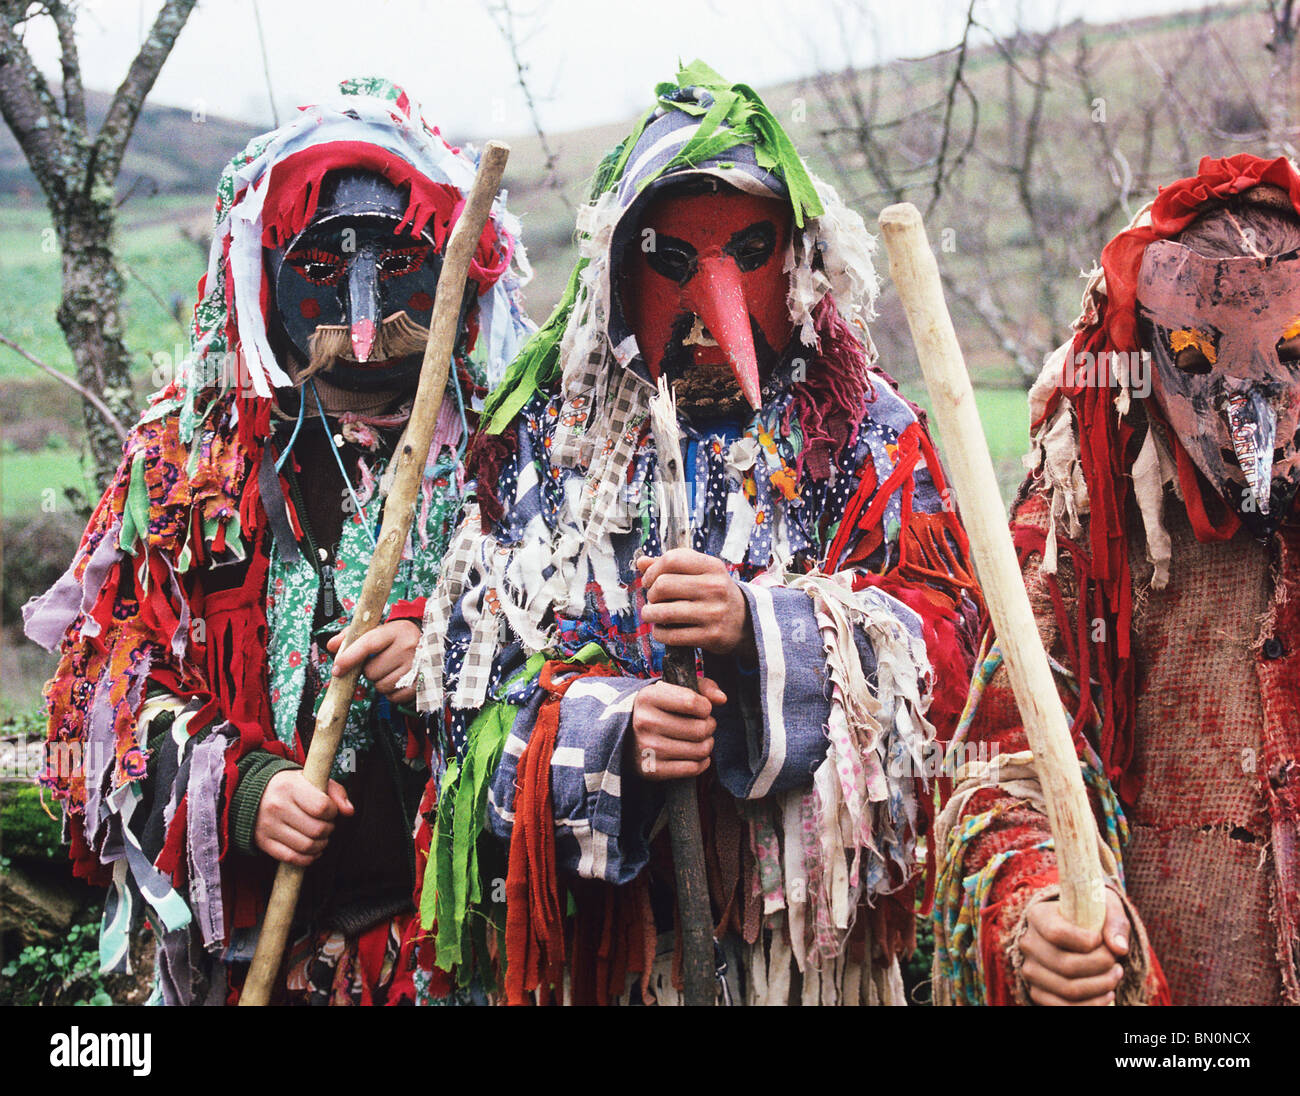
x: 408, y: 469
x: 952, y: 404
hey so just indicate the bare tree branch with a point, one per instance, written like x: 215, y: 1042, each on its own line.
x: 1168, y: 80
x: 1005, y: 329
x: 957, y: 83
x: 1284, y: 22
x: 503, y: 15
x: 28, y: 107
x: 110, y: 145
x: 147, y: 286
x: 63, y: 378
x: 74, y: 95
x: 136, y: 183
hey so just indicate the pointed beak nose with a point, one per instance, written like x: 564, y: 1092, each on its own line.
x: 363, y: 304
x: 718, y: 298
x: 1253, y: 425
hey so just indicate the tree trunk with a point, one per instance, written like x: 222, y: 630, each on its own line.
x: 77, y: 171
x: 90, y: 316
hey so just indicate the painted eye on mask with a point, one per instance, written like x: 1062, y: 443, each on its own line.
x: 1193, y: 351
x: 751, y: 247
x: 401, y: 261
x: 317, y: 266
x: 1288, y: 346
x: 678, y: 261
x: 675, y: 259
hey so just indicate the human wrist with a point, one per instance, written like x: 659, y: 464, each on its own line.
x: 256, y: 770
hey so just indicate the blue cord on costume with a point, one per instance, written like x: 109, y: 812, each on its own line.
x: 464, y: 423
x: 374, y: 542
x: 302, y: 407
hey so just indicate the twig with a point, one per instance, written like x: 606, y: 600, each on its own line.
x: 1208, y: 126
x: 153, y: 293
x: 74, y: 96
x: 130, y: 191
x: 958, y: 81
x: 266, y: 65
x: 503, y: 16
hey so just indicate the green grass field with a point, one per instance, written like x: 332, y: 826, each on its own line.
x: 40, y: 421
x: 35, y: 482
x: 155, y: 256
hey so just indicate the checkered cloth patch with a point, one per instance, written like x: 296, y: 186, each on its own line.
x: 462, y: 553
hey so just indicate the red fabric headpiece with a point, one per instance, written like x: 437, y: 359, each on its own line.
x: 294, y: 187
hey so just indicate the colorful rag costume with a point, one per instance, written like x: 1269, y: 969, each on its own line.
x: 827, y: 503
x: 1173, y: 631
x: 233, y: 541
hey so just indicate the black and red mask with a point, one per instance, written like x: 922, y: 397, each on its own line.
x: 356, y: 286
x: 704, y: 284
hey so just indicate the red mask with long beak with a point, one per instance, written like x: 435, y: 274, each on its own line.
x: 705, y: 284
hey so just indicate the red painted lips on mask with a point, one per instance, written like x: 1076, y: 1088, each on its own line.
x: 706, y: 271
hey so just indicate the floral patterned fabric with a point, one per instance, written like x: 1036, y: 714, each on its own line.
x: 293, y: 591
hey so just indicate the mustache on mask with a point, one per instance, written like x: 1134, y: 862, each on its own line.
x: 399, y: 336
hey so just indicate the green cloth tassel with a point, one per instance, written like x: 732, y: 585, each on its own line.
x: 453, y: 884
x: 749, y: 122
x: 536, y: 366
x: 135, y: 520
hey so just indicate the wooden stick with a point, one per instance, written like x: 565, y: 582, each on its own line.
x: 408, y: 469
x: 952, y: 403
x: 699, y: 982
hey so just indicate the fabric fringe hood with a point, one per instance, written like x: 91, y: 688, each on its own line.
x: 371, y: 122
x: 1080, y: 429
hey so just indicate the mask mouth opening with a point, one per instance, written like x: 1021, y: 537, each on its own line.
x: 709, y: 388
x: 397, y: 337
x: 1279, y: 454
x: 1252, y: 426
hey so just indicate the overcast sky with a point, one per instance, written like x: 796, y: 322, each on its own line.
x: 590, y: 61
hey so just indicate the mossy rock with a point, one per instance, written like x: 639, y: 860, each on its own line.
x: 25, y: 829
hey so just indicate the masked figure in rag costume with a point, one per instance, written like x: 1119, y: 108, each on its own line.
x: 1160, y: 548
x: 826, y: 590
x: 199, y: 621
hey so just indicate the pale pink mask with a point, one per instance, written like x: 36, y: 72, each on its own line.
x: 1214, y: 328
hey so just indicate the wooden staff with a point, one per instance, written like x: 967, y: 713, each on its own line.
x: 698, y: 976
x: 952, y: 403
x: 408, y: 470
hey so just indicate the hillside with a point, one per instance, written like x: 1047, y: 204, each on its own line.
x: 172, y: 150
x: 174, y: 159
